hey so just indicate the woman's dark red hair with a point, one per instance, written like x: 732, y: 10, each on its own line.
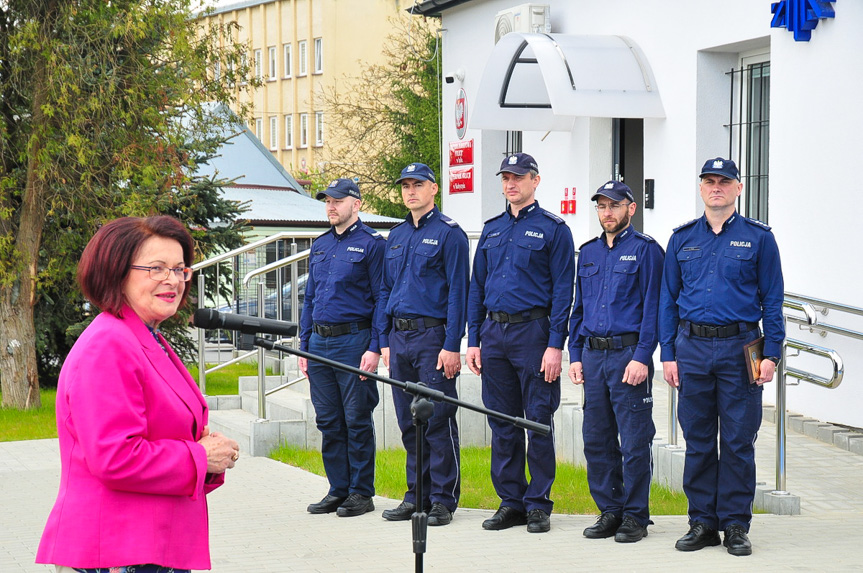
x: 105, y: 262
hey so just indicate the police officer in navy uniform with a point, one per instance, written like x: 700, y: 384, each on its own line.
x: 518, y: 307
x: 426, y: 278
x: 340, y: 322
x: 613, y: 333
x: 722, y: 275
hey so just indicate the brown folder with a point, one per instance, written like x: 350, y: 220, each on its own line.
x: 754, y: 352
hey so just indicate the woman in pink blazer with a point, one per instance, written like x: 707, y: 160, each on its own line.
x: 137, y: 457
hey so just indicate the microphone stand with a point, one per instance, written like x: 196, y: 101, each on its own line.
x: 422, y: 408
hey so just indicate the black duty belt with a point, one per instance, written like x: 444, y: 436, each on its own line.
x: 612, y: 342
x: 517, y: 317
x: 416, y: 323
x: 327, y: 330
x: 718, y: 331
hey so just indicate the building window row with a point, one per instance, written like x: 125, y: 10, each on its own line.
x: 272, y: 138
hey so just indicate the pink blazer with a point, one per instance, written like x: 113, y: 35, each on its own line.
x: 133, y: 478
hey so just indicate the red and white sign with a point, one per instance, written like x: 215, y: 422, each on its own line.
x: 461, y: 113
x: 461, y: 180
x: 461, y: 152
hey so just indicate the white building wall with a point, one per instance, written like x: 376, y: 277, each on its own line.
x: 815, y: 113
x: 816, y: 117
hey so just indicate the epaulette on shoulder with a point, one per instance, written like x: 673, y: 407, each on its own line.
x: 584, y: 244
x: 498, y: 216
x: 553, y: 217
x: 686, y: 224
x: 398, y: 224
x: 448, y: 221
x: 372, y: 232
x: 321, y: 235
x: 645, y: 236
x: 757, y: 223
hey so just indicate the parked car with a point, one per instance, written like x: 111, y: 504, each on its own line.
x: 249, y: 307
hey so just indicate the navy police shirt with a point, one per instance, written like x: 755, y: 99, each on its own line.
x: 344, y: 281
x: 617, y: 292
x: 720, y: 279
x: 522, y: 263
x: 426, y: 273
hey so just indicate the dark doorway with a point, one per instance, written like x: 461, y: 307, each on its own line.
x: 628, y: 161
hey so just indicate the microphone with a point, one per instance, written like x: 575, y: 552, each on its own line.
x: 210, y: 319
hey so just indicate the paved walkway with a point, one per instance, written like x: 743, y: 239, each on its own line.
x: 259, y: 524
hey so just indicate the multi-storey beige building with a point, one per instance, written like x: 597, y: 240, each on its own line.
x: 298, y: 48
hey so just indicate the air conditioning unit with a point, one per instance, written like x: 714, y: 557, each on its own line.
x: 533, y: 18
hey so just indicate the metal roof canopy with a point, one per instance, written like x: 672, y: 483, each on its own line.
x: 542, y: 82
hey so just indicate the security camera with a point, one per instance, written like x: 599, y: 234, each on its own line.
x: 456, y: 75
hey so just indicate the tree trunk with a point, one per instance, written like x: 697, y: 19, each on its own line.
x: 19, y: 378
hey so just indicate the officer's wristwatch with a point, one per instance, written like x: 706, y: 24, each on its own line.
x: 774, y: 359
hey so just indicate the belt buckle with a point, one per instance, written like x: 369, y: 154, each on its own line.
x: 711, y: 331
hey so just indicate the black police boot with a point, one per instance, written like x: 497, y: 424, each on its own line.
x: 606, y: 525
x: 737, y: 541
x: 698, y: 537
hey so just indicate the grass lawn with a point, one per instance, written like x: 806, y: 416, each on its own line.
x: 223, y: 382
x: 569, y: 492
x: 36, y: 424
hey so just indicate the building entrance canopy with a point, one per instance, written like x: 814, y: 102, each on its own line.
x: 542, y: 82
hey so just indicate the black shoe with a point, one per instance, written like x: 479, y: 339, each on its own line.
x: 606, y: 525
x: 329, y: 504
x: 402, y: 513
x: 630, y: 531
x: 439, y: 515
x: 538, y: 521
x: 737, y: 541
x: 355, y: 504
x: 698, y: 537
x: 504, y: 518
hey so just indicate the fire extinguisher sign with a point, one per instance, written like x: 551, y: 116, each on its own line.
x: 461, y: 114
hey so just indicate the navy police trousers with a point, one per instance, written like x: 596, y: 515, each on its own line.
x: 618, y: 471
x: 512, y: 384
x: 413, y: 358
x: 343, y: 411
x: 716, y: 397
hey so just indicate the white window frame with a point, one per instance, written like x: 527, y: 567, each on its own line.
x: 287, y: 55
x: 259, y: 128
x: 304, y: 57
x: 272, y: 61
x: 217, y: 71
x: 259, y: 64
x: 319, y: 55
x: 304, y: 130
x: 274, y: 132
x: 319, y: 128
x: 244, y: 66
x: 289, y: 131
x: 741, y: 144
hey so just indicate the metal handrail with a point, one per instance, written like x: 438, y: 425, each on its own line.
x: 809, y: 306
x: 292, y: 260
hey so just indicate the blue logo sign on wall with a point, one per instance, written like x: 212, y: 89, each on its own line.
x: 800, y: 16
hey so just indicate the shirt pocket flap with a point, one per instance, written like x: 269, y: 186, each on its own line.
x: 585, y: 272
x: 626, y: 267
x: 531, y: 243
x: 351, y: 256
x: 738, y: 254
x: 427, y: 250
x: 689, y: 255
